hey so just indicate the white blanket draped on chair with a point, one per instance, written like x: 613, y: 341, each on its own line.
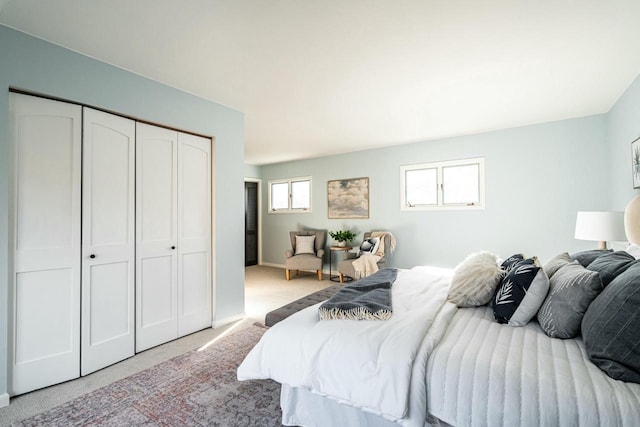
x: 367, y: 264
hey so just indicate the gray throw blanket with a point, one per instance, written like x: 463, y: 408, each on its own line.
x: 366, y: 299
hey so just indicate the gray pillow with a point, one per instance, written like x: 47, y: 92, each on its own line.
x: 611, y: 265
x: 305, y: 245
x: 587, y: 257
x: 555, y: 263
x: 571, y: 290
x: 610, y: 327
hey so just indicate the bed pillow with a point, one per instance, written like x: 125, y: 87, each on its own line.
x: 520, y: 294
x: 370, y: 246
x: 610, y: 327
x: 510, y: 262
x: 611, y: 264
x: 571, y: 290
x: 587, y: 257
x: 475, y: 280
x: 305, y: 245
x: 555, y: 263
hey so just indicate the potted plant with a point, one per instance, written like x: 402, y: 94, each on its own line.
x: 342, y: 236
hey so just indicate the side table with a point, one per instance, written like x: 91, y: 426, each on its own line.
x: 333, y: 249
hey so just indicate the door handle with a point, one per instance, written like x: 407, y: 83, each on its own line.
x: 92, y: 256
x: 173, y: 247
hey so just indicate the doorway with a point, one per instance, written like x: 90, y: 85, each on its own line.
x: 250, y: 223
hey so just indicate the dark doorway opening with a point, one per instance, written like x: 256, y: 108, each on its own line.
x: 250, y: 223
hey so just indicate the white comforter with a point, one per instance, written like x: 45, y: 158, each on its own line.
x: 365, y: 364
x: 486, y: 374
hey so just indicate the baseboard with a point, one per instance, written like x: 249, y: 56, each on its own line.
x: 226, y: 321
x: 270, y: 264
x: 4, y: 400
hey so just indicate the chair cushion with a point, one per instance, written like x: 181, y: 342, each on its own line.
x: 370, y: 246
x: 305, y: 245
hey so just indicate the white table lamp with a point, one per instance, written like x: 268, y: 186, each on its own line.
x: 602, y: 227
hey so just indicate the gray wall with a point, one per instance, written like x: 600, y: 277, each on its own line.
x: 34, y: 65
x: 537, y: 178
x: 623, y: 126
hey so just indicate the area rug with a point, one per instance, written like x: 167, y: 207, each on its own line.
x: 198, y: 388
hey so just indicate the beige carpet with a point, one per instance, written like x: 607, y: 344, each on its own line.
x: 265, y: 289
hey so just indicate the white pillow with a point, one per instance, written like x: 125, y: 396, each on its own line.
x: 475, y: 280
x: 370, y: 246
x: 305, y: 245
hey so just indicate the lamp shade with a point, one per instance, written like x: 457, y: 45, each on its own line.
x: 600, y: 226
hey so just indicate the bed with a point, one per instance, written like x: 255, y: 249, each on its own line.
x: 435, y: 363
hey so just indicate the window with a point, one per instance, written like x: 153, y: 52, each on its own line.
x: 455, y: 184
x: 290, y: 195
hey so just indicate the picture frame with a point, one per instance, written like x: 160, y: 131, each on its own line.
x: 635, y: 162
x: 348, y: 198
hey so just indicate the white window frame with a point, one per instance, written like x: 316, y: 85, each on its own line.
x: 439, y: 166
x: 289, y: 182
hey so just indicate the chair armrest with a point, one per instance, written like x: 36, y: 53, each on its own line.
x: 289, y: 253
x: 320, y: 253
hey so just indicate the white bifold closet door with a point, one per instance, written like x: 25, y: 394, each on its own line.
x: 45, y: 238
x: 173, y: 229
x: 156, y: 235
x: 194, y: 233
x: 108, y: 240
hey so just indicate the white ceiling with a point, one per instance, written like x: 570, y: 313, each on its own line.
x: 320, y: 77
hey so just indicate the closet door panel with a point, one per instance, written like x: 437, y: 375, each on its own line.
x: 156, y: 230
x: 110, y: 310
x: 45, y: 240
x: 194, y: 231
x: 43, y: 295
x: 108, y: 282
x: 156, y: 295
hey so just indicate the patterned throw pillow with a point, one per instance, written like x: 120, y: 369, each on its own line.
x: 474, y: 280
x: 511, y: 262
x: 370, y: 246
x: 571, y: 290
x: 305, y: 245
x: 520, y: 294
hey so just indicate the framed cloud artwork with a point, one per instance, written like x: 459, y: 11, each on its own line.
x: 348, y: 198
x: 635, y: 162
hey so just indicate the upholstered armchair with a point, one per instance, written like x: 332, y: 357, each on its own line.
x: 346, y: 267
x: 307, y: 252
